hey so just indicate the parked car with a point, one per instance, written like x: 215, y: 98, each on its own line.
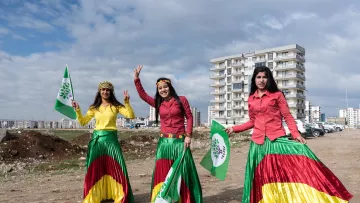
x: 318, y: 126
x: 312, y: 130
x: 337, y: 127
x: 328, y: 128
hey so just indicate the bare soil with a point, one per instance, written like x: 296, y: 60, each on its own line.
x: 339, y: 151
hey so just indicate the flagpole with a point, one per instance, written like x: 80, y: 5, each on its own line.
x: 72, y: 88
x: 183, y: 155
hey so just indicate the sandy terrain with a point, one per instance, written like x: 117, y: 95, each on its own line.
x: 339, y: 151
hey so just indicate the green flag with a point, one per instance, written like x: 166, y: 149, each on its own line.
x: 170, y: 190
x: 65, y: 96
x: 216, y: 161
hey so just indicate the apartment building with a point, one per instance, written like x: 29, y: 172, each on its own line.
x: 316, y: 113
x: 308, y: 116
x: 352, y: 116
x: 231, y: 76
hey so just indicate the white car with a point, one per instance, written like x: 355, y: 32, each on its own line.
x: 300, y: 125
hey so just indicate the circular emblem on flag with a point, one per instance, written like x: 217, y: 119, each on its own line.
x: 218, y: 150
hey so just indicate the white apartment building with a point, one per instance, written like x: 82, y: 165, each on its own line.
x: 152, y: 116
x: 315, y: 113
x: 352, y: 116
x: 232, y: 81
x: 308, y: 115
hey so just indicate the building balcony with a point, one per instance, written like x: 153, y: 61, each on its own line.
x: 300, y: 115
x: 218, y: 101
x: 296, y: 57
x: 215, y: 108
x: 217, y: 84
x: 300, y: 96
x: 218, y: 92
x: 237, y: 90
x: 290, y: 76
x: 237, y: 107
x: 238, y: 64
x: 237, y: 98
x: 238, y: 116
x: 238, y: 73
x: 217, y: 76
x: 219, y: 117
x: 297, y: 106
x: 217, y: 68
x: 292, y: 86
x: 290, y: 67
x: 260, y: 60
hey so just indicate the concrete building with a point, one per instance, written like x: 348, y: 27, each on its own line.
x: 315, y: 113
x: 351, y: 115
x: 152, y: 116
x: 232, y: 80
x: 308, y: 118
x: 196, y: 117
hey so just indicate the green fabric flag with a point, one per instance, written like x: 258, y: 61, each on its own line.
x: 217, y: 159
x: 170, y: 190
x: 65, y: 96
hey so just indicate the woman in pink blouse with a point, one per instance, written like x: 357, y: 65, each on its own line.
x: 279, y: 169
x: 174, y: 139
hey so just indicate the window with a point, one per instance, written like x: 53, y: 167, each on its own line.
x: 270, y: 56
x: 229, y: 88
x: 228, y: 79
x: 260, y: 64
x: 229, y: 96
x: 237, y: 86
x: 229, y: 105
x: 270, y: 65
x: 228, y: 113
x: 229, y: 71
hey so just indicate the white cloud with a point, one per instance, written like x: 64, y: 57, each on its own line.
x: 4, y: 31
x: 173, y: 39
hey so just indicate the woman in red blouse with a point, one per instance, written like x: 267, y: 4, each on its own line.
x: 279, y: 169
x: 174, y: 138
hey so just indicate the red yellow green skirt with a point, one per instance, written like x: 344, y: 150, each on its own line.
x: 106, y: 175
x: 287, y: 171
x: 168, y: 150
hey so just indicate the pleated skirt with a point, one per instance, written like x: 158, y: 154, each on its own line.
x: 168, y: 150
x: 106, y: 174
x: 284, y: 171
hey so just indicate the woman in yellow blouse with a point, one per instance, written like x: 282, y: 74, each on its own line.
x: 106, y: 177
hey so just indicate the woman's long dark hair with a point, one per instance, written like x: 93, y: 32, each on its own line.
x: 159, y: 99
x: 112, y: 100
x: 271, y: 85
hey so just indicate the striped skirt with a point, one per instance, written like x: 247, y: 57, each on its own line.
x: 287, y: 171
x: 168, y: 150
x: 106, y: 175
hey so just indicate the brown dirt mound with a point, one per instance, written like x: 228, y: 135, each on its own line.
x: 82, y: 140
x: 32, y: 144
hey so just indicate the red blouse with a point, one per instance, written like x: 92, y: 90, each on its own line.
x: 266, y: 115
x: 171, y: 118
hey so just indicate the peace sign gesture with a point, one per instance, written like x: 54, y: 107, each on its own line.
x: 126, y: 96
x: 137, y: 71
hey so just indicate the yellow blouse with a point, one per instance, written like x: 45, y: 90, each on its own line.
x: 105, y: 117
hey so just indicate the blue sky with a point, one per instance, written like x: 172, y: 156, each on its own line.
x: 106, y: 40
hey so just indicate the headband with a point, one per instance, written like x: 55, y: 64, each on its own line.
x: 167, y: 81
x: 107, y: 85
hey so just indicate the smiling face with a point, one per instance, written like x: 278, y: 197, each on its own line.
x: 105, y: 93
x: 163, y: 89
x: 261, y: 80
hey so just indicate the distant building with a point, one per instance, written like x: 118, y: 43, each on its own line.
x: 315, y: 113
x: 337, y: 120
x: 351, y: 115
x: 322, y: 117
x: 308, y: 118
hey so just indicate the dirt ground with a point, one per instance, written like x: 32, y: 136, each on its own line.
x: 339, y: 151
